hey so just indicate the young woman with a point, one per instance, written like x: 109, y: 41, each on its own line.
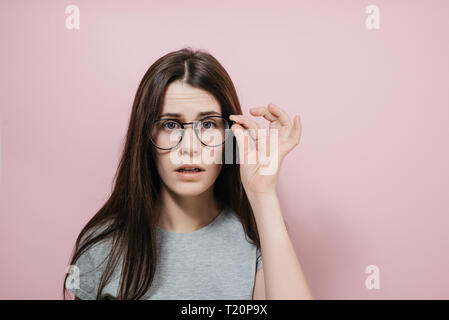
x: 190, y: 217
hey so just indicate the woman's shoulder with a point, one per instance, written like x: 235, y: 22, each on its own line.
x: 231, y: 225
x: 230, y: 216
x: 97, y: 252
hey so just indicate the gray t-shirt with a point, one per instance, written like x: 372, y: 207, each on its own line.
x: 217, y: 262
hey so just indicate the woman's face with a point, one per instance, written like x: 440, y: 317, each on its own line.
x: 188, y: 102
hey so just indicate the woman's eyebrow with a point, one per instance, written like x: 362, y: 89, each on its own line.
x: 200, y: 114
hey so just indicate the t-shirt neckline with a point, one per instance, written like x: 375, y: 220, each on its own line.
x: 196, y: 232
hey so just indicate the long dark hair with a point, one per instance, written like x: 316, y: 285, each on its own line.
x: 129, y: 213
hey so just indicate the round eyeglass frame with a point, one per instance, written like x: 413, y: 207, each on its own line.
x: 195, y: 124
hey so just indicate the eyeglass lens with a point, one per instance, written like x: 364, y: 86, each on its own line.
x: 167, y: 133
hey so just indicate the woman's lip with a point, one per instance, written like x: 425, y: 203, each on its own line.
x: 190, y: 168
x: 186, y: 174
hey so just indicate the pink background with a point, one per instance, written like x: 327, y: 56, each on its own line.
x: 368, y: 184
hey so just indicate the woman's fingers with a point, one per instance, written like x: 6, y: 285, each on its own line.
x: 289, y: 133
x: 297, y: 129
x: 247, y: 123
x: 263, y: 111
x: 274, y: 113
x: 254, y: 133
x: 280, y: 114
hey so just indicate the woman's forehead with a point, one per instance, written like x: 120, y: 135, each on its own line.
x: 187, y: 100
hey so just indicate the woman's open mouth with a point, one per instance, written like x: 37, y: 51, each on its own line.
x: 189, y: 171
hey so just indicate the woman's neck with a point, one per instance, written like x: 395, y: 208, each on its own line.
x: 182, y: 214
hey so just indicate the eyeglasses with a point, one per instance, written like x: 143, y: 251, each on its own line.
x: 212, y: 131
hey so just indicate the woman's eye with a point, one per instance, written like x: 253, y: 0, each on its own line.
x: 170, y: 125
x: 208, y: 124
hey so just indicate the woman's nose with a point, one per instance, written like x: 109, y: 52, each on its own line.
x: 190, y: 142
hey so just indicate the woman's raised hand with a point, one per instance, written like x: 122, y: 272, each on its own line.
x: 261, y: 158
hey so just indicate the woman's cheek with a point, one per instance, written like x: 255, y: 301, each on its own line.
x: 214, y: 172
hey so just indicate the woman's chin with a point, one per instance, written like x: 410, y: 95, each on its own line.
x: 189, y: 190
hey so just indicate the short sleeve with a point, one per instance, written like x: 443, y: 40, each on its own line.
x: 259, y: 261
x: 89, y: 268
x: 89, y: 275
